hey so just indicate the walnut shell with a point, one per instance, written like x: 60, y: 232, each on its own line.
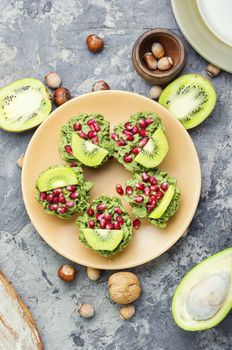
x: 124, y: 287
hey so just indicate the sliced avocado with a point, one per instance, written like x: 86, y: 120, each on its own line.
x: 204, y: 296
x: 86, y: 152
x: 154, y: 151
x: 24, y: 104
x: 59, y: 176
x: 165, y: 201
x: 100, y: 239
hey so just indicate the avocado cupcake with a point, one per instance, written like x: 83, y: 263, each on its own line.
x: 140, y: 143
x: 153, y: 195
x: 62, y: 190
x: 105, y: 227
x: 86, y: 139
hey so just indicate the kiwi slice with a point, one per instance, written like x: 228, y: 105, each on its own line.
x: 154, y: 151
x: 166, y: 200
x: 191, y: 98
x: 24, y: 104
x: 86, y: 152
x: 59, y: 176
x: 100, y: 239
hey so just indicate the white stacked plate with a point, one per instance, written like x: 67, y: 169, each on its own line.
x: 207, y: 25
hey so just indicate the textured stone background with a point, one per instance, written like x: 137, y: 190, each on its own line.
x: 39, y: 35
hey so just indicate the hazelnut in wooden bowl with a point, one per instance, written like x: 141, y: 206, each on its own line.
x: 158, y: 56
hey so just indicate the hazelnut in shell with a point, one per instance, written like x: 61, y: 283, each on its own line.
x: 86, y: 310
x: 124, y: 287
x: 67, y: 273
x: 61, y: 95
x: 100, y: 85
x: 157, y: 50
x: 150, y: 60
x: 165, y: 63
x: 52, y: 80
x: 127, y: 311
x: 155, y: 92
x: 20, y: 161
x: 93, y: 274
x: 212, y: 70
x: 94, y: 43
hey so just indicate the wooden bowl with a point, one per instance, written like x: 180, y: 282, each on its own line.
x: 173, y: 46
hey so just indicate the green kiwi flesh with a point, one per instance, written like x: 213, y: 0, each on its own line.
x: 59, y: 176
x: 86, y: 152
x: 154, y: 151
x: 102, y: 239
x: 191, y: 98
x: 24, y: 104
x: 166, y: 200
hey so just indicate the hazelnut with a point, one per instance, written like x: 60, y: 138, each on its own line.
x: 100, y: 85
x: 150, y: 60
x: 20, y: 161
x: 61, y: 95
x: 157, y: 50
x: 94, y: 43
x: 93, y: 274
x: 52, y: 80
x: 155, y: 92
x: 212, y: 70
x: 86, y: 310
x: 127, y: 311
x: 124, y: 287
x: 67, y: 273
x: 165, y: 63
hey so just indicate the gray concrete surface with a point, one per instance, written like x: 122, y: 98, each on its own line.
x: 39, y: 35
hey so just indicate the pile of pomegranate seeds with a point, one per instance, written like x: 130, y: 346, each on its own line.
x: 101, y: 218
x: 60, y: 200
x: 133, y: 132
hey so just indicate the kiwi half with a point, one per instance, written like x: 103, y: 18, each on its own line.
x: 59, y: 176
x: 103, y: 239
x: 191, y: 98
x: 154, y: 151
x: 166, y: 200
x: 24, y: 104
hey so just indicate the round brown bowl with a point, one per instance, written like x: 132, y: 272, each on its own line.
x: 173, y: 46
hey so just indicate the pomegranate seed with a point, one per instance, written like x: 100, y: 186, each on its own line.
x: 101, y: 207
x: 91, y: 224
x: 108, y: 217
x: 119, y: 189
x: 114, y: 136
x: 74, y: 195
x: 69, y: 204
x: 139, y: 199
x: 77, y: 127
x: 120, y: 219
x: 147, y: 190
x: 128, y: 158
x: 136, y: 223
x: 143, y: 132
x: 91, y: 121
x: 159, y: 195
x: 96, y: 127
x: 117, y: 225
x: 43, y: 196
x: 82, y: 134
x: 164, y: 186
x: 142, y: 123
x: 128, y: 126
x: 61, y: 199
x: 150, y: 207
x: 129, y: 138
x: 149, y: 121
x: 99, y: 216
x: 153, y: 180
x: 91, y: 134
x: 118, y: 210
x: 145, y: 177
x: 90, y: 212
x: 56, y: 191
x: 71, y: 188
x: 129, y: 190
x: 68, y: 149
x: 73, y: 164
x: 50, y: 198
x: 126, y: 132
x: 136, y: 150
x: 140, y: 186
x: 135, y: 130
x: 92, y: 127
x: 55, y: 199
x: 155, y: 188
x: 95, y: 140
x: 143, y: 141
x: 102, y: 223
x: 152, y: 199
x: 109, y: 226
x: 121, y: 143
x: 61, y: 210
x: 53, y: 207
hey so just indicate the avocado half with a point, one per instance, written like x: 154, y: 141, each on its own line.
x: 204, y: 296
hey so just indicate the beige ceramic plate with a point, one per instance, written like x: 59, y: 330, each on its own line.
x: 181, y: 162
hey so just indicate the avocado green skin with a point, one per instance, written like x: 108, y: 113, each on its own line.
x: 49, y: 103
x: 214, y: 320
x: 192, y: 123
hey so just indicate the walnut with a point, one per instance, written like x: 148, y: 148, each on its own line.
x: 124, y: 287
